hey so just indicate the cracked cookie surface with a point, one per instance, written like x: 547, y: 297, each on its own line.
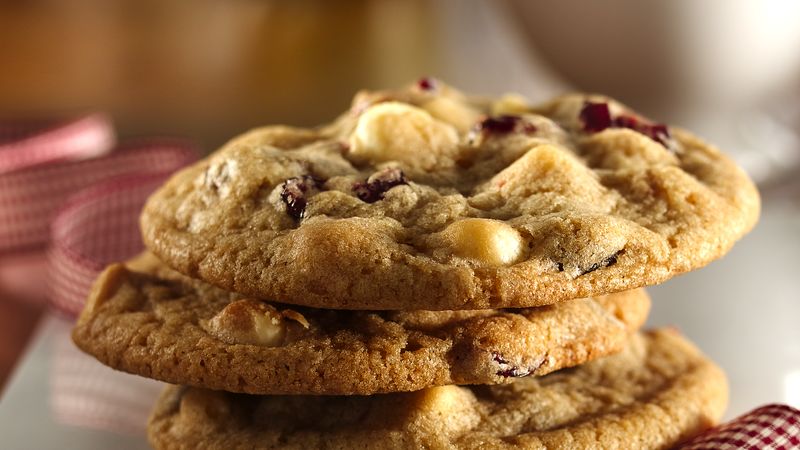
x: 424, y: 198
x: 147, y: 319
x: 659, y: 391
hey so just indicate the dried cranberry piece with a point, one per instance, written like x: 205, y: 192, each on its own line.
x: 376, y: 185
x: 508, y: 370
x: 293, y: 193
x: 659, y: 133
x: 427, y: 84
x: 655, y: 131
x: 627, y: 122
x: 595, y: 116
x: 608, y: 262
x: 504, y: 124
x: 499, y: 124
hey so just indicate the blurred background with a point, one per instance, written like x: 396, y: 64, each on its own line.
x: 209, y: 69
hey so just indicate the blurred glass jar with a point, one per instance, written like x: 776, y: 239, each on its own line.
x: 662, y: 53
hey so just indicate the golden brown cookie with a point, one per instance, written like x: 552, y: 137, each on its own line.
x: 656, y: 393
x: 423, y: 198
x: 149, y: 320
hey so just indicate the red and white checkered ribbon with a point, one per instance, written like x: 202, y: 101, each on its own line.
x: 40, y: 165
x: 87, y: 394
x: 775, y: 427
x: 98, y: 225
x: 26, y: 144
x: 64, y: 184
x: 66, y: 187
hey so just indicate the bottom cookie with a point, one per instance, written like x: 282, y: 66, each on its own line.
x: 659, y: 391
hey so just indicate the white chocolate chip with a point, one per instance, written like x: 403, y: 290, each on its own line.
x: 393, y: 131
x: 297, y: 317
x: 486, y: 241
x: 200, y: 405
x: 510, y: 104
x: 219, y: 175
x: 456, y: 113
x: 444, y: 399
x: 451, y: 406
x: 249, y: 322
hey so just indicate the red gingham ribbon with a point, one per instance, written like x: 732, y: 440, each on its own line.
x: 99, y: 224
x: 65, y: 184
x: 32, y: 184
x: 27, y: 144
x: 85, y: 393
x: 773, y: 426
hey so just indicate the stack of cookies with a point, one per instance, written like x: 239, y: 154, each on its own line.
x: 431, y: 270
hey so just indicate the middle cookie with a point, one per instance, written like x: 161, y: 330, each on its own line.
x: 147, y: 319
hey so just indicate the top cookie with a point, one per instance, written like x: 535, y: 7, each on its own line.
x: 424, y: 198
